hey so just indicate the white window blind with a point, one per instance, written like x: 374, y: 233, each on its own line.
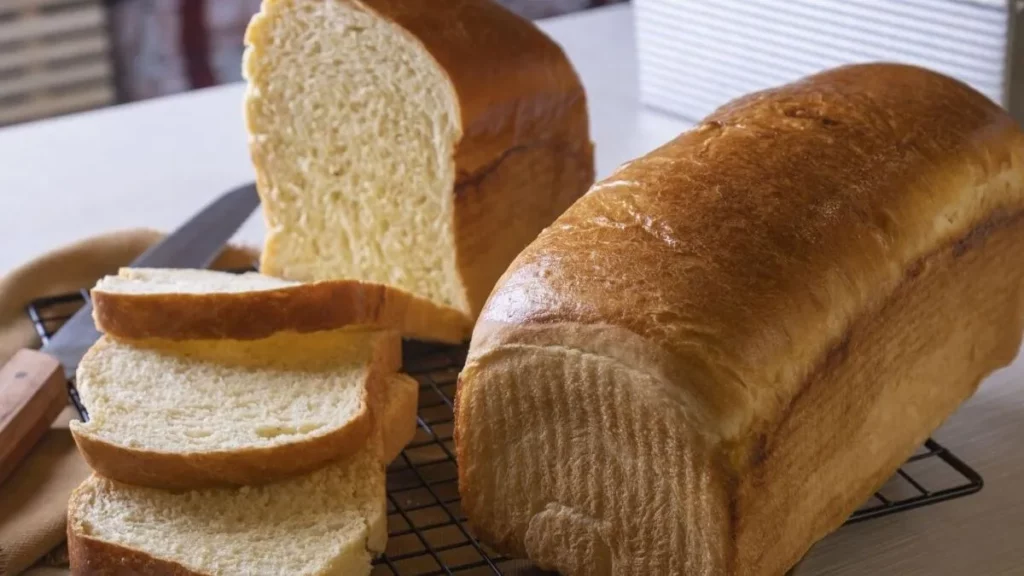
x: 695, y: 55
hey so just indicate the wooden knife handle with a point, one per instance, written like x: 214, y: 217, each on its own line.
x: 33, y: 392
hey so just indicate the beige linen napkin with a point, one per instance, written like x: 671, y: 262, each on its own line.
x: 33, y: 501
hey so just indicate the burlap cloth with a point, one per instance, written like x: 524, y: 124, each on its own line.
x: 33, y: 501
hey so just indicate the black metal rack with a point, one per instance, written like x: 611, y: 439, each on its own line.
x: 428, y: 534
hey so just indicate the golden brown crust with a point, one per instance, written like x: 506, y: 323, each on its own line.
x: 956, y: 317
x: 768, y: 224
x: 567, y: 171
x: 397, y: 414
x: 257, y: 314
x: 788, y: 298
x: 525, y: 154
x: 239, y: 467
x: 514, y: 84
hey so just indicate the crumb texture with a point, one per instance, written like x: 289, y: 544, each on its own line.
x: 420, y: 145
x: 353, y: 128
x: 157, y: 400
x: 318, y: 524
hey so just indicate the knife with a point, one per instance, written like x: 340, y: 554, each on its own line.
x: 33, y: 384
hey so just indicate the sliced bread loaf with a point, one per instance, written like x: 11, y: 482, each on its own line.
x: 329, y: 522
x: 190, y: 414
x: 205, y: 304
x: 325, y: 523
x: 416, y: 144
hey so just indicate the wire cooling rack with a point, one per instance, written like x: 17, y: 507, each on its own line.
x: 428, y: 534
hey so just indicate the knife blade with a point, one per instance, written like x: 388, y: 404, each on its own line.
x: 194, y: 245
x: 33, y: 384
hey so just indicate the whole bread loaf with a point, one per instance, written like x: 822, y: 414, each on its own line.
x: 414, y: 143
x: 721, y: 351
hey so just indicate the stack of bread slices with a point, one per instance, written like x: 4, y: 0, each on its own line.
x: 220, y: 448
x: 404, y: 152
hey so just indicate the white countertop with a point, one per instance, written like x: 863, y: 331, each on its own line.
x: 155, y: 163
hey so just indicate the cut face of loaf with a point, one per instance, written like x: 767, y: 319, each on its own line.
x: 204, y: 304
x: 202, y: 413
x: 328, y: 523
x: 818, y: 276
x: 415, y: 144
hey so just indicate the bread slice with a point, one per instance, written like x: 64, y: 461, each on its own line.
x: 416, y: 144
x: 329, y: 522
x: 205, y: 304
x: 190, y: 414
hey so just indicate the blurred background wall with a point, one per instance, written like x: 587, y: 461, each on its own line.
x: 61, y: 56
